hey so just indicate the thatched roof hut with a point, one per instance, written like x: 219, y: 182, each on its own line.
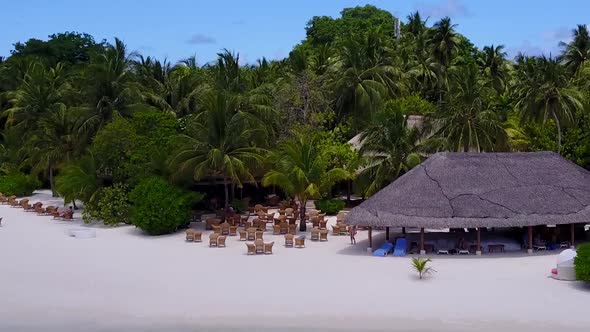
x: 456, y: 190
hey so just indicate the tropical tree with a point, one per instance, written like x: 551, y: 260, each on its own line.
x: 576, y: 52
x: 466, y: 122
x: 493, y: 64
x: 547, y: 93
x: 218, y: 142
x: 300, y: 167
x: 79, y: 180
x: 445, y: 43
x: 390, y: 148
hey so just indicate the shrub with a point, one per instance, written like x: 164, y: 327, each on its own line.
x: 110, y: 205
x: 239, y: 205
x: 159, y: 207
x: 329, y: 206
x: 18, y: 184
x: 582, y: 262
x: 419, y: 265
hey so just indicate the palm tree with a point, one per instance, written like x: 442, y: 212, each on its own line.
x: 58, y: 141
x: 218, y: 142
x: 79, y: 180
x: 111, y: 88
x: 40, y: 93
x: 493, y: 64
x: 467, y: 122
x: 547, y: 94
x: 390, y: 148
x: 577, y: 52
x: 444, y: 42
x: 300, y: 168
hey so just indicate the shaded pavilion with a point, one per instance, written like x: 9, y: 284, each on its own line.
x: 475, y: 190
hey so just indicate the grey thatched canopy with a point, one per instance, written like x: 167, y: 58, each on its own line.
x: 455, y: 190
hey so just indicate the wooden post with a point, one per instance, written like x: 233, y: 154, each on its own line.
x: 530, y: 246
x: 370, y: 249
x: 572, y: 236
x: 422, y: 251
x: 478, y: 249
x: 387, y: 233
x: 403, y: 230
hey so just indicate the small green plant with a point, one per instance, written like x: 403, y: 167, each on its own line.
x: 419, y: 264
x: 582, y: 262
x: 329, y: 206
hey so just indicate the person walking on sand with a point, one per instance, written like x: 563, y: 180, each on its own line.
x: 352, y: 234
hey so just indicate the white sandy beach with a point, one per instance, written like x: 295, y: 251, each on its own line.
x: 125, y: 281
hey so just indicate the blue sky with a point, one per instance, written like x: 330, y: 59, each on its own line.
x: 176, y: 29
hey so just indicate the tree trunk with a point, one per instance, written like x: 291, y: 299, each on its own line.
x: 348, y: 190
x: 226, y: 204
x: 53, y: 194
x: 74, y: 203
x: 302, y: 224
x: 558, y: 132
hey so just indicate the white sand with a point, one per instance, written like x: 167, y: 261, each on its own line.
x: 125, y: 281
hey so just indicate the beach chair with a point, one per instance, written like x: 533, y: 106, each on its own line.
x: 259, y: 246
x: 233, y: 230
x: 24, y: 203
x: 68, y: 215
x: 340, y: 217
x: 251, y: 249
x: 247, y: 224
x: 315, y: 223
x: 335, y: 230
x: 39, y: 210
x: 323, y: 224
x: 293, y: 229
x: 257, y: 207
x: 343, y: 229
x: 33, y: 208
x: 259, y: 235
x: 198, y: 236
x: 221, y: 241
x: 324, y: 235
x: 400, y: 247
x: 190, y: 235
x: 251, y: 234
x: 442, y: 247
x: 243, y: 235
x: 276, y: 229
x: 213, y: 239
x: 288, y: 240
x: 539, y: 247
x: 268, y: 248
x: 244, y: 220
x: 49, y: 210
x: 284, y: 228
x: 315, y: 234
x: 210, y: 222
x: 224, y: 228
x: 299, y: 242
x: 216, y: 228
x: 289, y: 212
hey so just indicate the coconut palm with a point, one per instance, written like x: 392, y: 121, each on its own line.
x: 547, y: 93
x: 41, y: 92
x: 576, y: 52
x: 420, y: 266
x: 218, y: 142
x: 445, y: 43
x: 466, y: 122
x: 299, y: 167
x: 493, y: 64
x: 79, y: 180
x: 390, y: 148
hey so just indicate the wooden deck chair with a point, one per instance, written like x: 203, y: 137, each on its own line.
x: 224, y: 228
x: 284, y: 228
x: 251, y: 249
x: 315, y: 234
x: 216, y: 228
x: 248, y: 224
x: 268, y: 248
x: 244, y: 220
x: 259, y: 235
x: 211, y: 221
x: 213, y: 239
x: 340, y: 217
x: 336, y: 230
x: 323, y: 224
x: 288, y: 240
x: 190, y: 235
x: 49, y: 210
x: 292, y: 220
x: 33, y: 208
x: 198, y: 236
x: 221, y: 241
x: 299, y: 242
x: 276, y: 229
x: 315, y: 222
x: 68, y: 215
x: 233, y: 230
x: 39, y: 210
x: 293, y: 229
x: 324, y: 235
x: 259, y: 246
x: 257, y: 207
x: 12, y: 201
x: 289, y: 212
x: 243, y: 235
x: 251, y: 233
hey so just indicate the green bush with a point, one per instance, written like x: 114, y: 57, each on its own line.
x: 329, y: 206
x: 18, y: 184
x: 582, y: 262
x: 239, y: 205
x: 110, y: 205
x: 159, y: 207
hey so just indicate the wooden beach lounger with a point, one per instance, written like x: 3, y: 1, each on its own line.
x: 288, y: 240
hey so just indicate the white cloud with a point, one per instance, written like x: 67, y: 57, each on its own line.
x: 199, y: 38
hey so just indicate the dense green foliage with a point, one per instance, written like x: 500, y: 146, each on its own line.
x: 110, y: 205
x: 84, y: 116
x: 582, y: 262
x: 160, y: 208
x: 329, y: 206
x: 18, y: 184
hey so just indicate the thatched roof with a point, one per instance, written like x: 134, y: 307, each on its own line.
x: 454, y: 190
